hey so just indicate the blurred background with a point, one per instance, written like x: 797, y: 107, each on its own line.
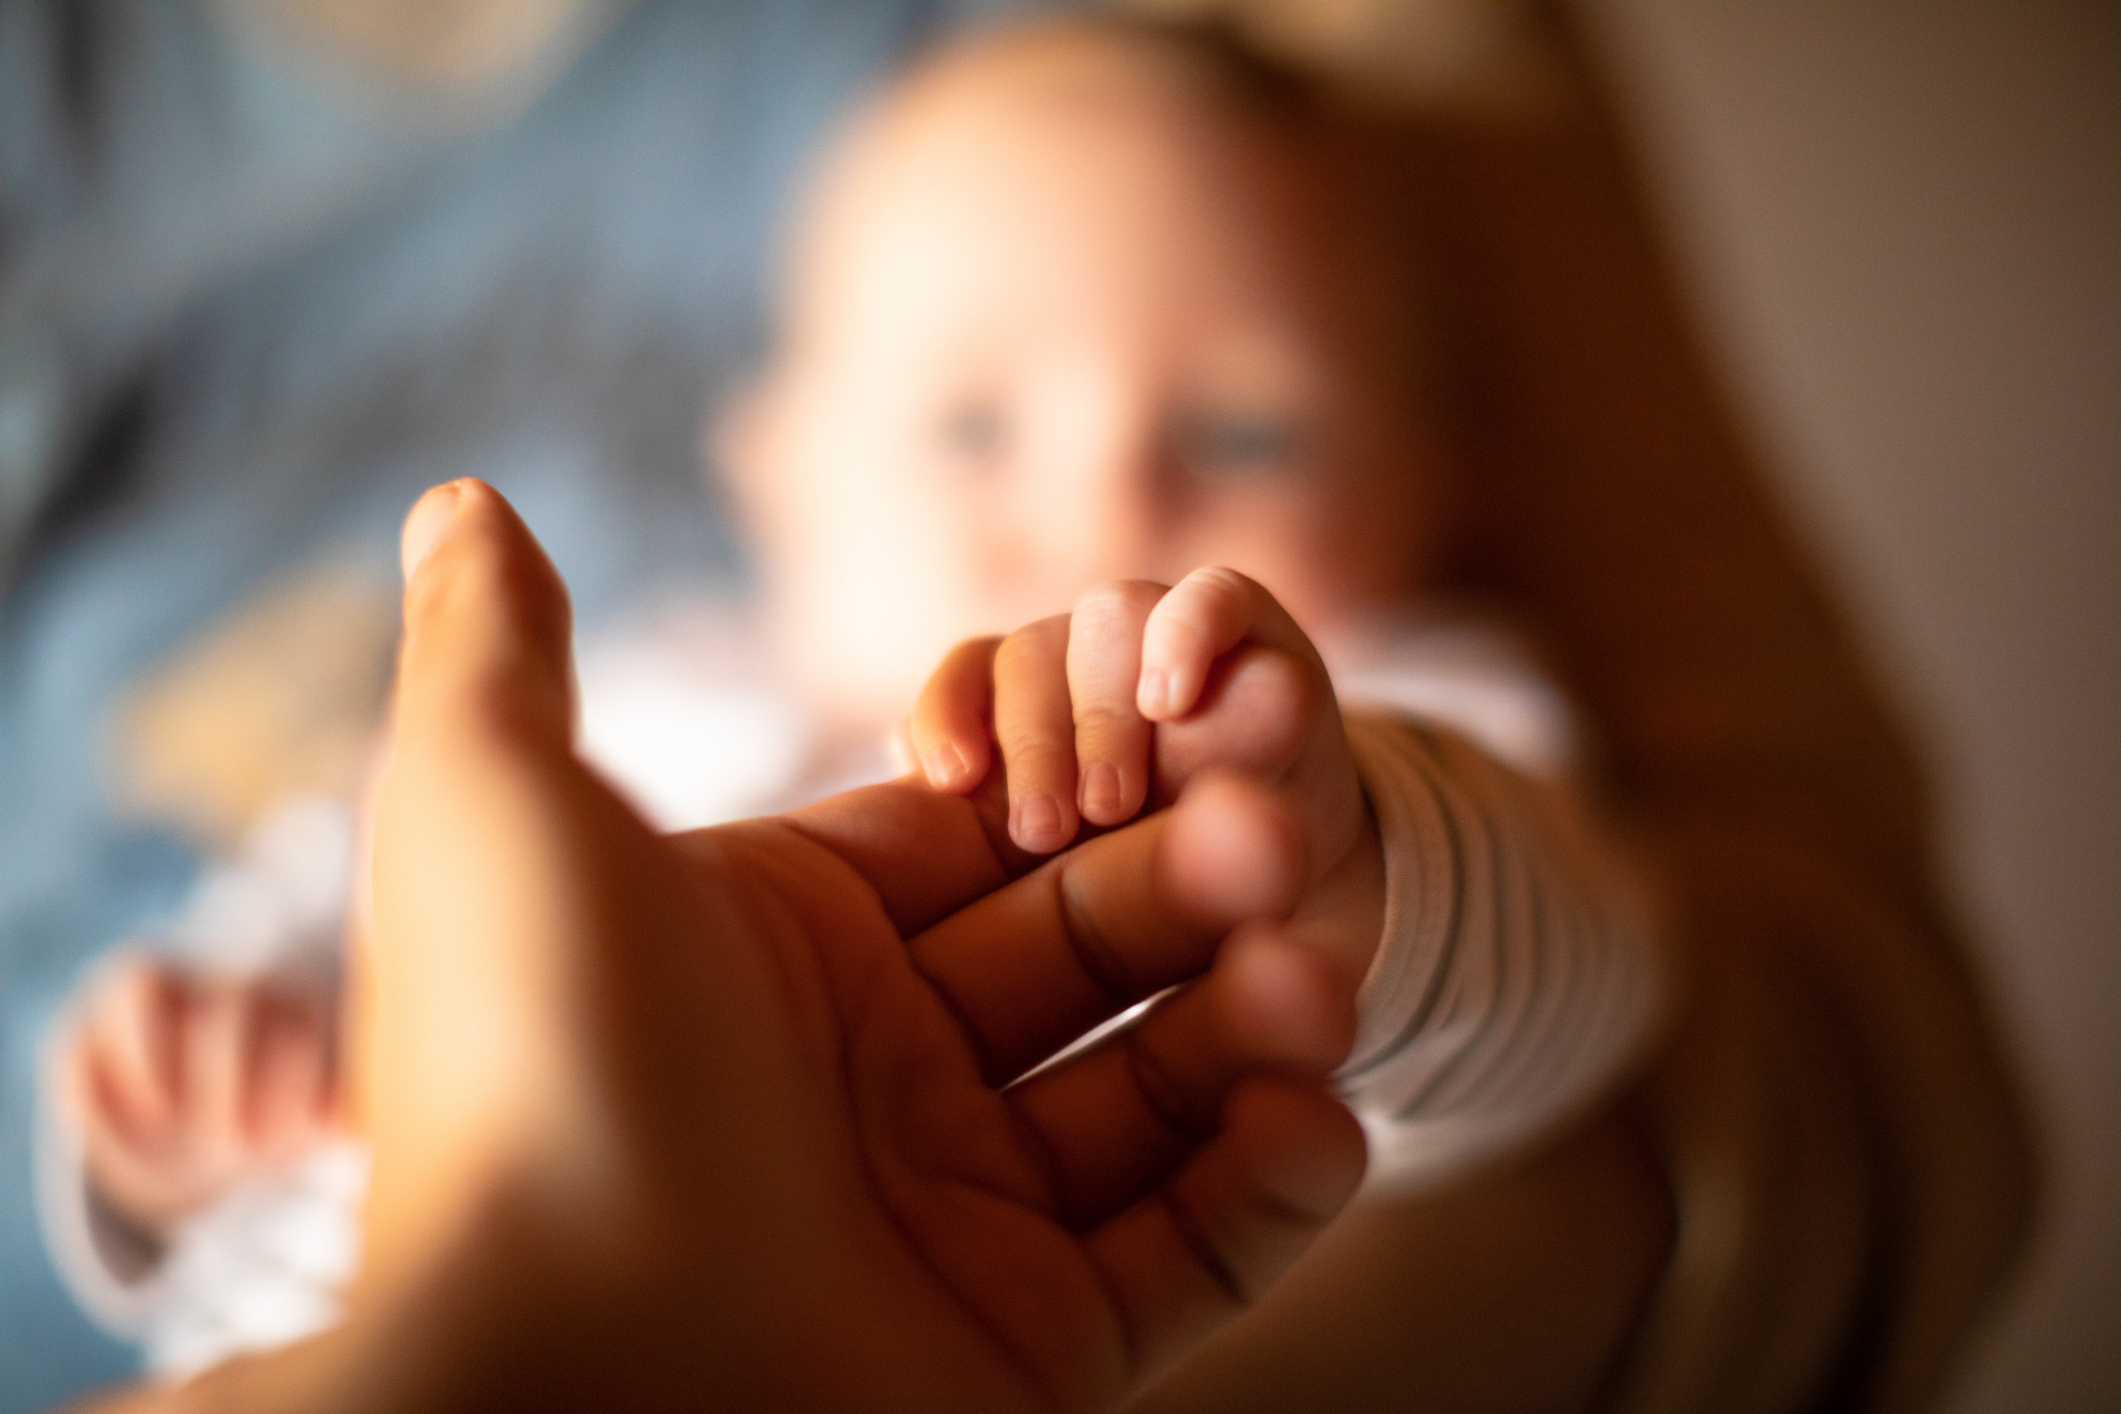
x: 288, y: 297
x: 1901, y: 224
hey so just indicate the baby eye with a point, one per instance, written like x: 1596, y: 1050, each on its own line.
x: 1237, y: 445
x: 973, y: 435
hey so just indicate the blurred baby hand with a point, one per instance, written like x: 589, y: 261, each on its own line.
x: 186, y: 1087
x: 1141, y: 689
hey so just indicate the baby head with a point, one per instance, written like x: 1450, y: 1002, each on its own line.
x: 1076, y: 301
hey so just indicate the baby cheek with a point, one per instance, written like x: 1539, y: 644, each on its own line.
x: 1351, y: 551
x: 887, y: 587
x: 1280, y: 542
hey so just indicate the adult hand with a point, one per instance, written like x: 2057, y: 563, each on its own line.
x: 730, y: 1114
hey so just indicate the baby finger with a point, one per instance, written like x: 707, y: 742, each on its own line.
x: 1035, y: 725
x: 1104, y: 665
x: 947, y: 730
x: 1208, y: 613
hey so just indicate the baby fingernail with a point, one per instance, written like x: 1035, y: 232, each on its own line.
x: 1154, y: 698
x: 945, y: 764
x: 1102, y: 796
x: 1038, y: 824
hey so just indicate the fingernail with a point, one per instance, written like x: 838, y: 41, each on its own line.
x: 1154, y: 698
x: 431, y: 516
x: 1037, y: 826
x: 1103, y: 798
x: 1164, y: 694
x: 945, y: 765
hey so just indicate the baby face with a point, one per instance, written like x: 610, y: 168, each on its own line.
x: 1053, y: 328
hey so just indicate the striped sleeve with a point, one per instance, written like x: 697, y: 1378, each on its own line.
x: 1518, y: 978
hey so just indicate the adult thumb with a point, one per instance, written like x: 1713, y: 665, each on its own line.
x: 467, y: 854
x: 484, y: 661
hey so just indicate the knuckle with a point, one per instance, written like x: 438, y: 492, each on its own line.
x: 1278, y: 700
x: 1102, y: 720
x: 1040, y: 757
x: 1010, y: 653
x: 1208, y: 605
x: 1297, y: 699
x: 1307, y: 691
x: 967, y: 654
x: 1030, y: 646
x: 1224, y: 586
x: 1180, y: 627
x: 1121, y: 602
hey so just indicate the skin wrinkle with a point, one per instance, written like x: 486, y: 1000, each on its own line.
x: 1164, y: 1096
x: 1015, y: 1359
x: 1089, y: 943
x: 982, y: 1048
x: 1281, y: 1206
x: 1018, y: 1360
x: 990, y: 1068
x: 808, y: 993
x: 1044, y: 1163
x: 1034, y: 732
x: 866, y: 1154
x: 907, y: 928
x: 1078, y: 940
x: 1203, y: 1248
x: 1058, y: 1201
x: 817, y: 987
x: 1130, y: 1338
x: 544, y: 977
x: 1084, y: 939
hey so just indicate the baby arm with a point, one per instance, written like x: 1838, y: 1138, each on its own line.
x: 1508, y: 973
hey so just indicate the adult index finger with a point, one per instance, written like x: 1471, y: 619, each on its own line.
x: 1037, y: 963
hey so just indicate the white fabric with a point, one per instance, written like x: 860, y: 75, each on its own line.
x: 266, y: 1265
x: 672, y: 716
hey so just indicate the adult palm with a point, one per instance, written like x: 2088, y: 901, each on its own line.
x: 743, y: 1114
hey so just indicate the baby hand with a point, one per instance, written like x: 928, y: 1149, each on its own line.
x: 187, y: 1088
x: 1116, y: 706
